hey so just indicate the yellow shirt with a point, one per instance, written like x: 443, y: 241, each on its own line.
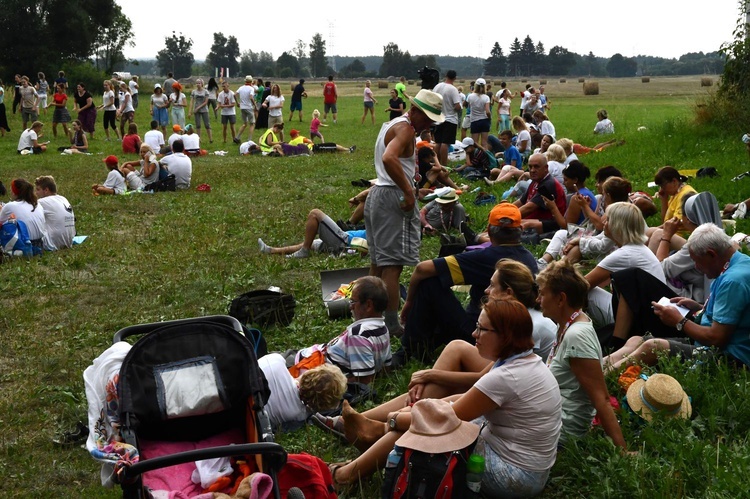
x: 674, y: 207
x: 299, y: 139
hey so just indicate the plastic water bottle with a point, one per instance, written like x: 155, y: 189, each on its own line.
x: 475, y: 470
x: 394, y: 457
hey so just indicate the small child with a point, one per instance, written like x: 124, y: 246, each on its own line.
x: 315, y: 125
x: 115, y: 183
x: 131, y: 143
x: 293, y: 401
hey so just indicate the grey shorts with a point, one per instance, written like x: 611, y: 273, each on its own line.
x: 684, y: 348
x: 228, y: 118
x: 332, y: 237
x: 29, y: 115
x: 273, y: 120
x: 392, y: 234
x: 330, y: 108
x: 248, y: 116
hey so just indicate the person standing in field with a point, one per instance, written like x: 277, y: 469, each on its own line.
x: 369, y: 102
x: 445, y: 133
x: 246, y: 95
x: 391, y: 215
x: 297, y: 95
x: 330, y: 97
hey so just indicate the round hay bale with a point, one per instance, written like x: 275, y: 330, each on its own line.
x: 645, y: 79
x: 524, y: 81
x: 591, y: 88
x: 563, y: 80
x: 410, y: 82
x: 581, y: 80
x: 542, y: 82
x: 706, y: 82
x: 291, y: 87
x: 497, y: 82
x: 382, y: 84
x: 462, y: 81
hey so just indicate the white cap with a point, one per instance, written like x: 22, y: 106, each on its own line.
x: 468, y: 141
x: 480, y: 81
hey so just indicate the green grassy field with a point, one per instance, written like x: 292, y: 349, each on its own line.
x: 175, y: 255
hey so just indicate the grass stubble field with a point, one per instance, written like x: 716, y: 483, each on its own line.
x: 175, y: 255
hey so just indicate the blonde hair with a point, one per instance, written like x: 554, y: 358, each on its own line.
x: 566, y: 144
x: 322, y: 387
x: 560, y: 276
x: 316, y: 113
x: 555, y: 152
x: 626, y: 223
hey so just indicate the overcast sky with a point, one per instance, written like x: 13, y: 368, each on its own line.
x: 351, y: 28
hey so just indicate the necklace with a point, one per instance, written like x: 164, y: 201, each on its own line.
x: 561, y: 335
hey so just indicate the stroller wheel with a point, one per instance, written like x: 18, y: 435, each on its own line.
x: 76, y: 436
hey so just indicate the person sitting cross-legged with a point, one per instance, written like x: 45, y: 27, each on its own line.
x: 332, y: 238
x: 432, y: 315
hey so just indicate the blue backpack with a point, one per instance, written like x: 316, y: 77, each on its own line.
x: 14, y: 238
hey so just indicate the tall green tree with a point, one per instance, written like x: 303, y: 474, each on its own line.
x: 176, y: 56
x: 496, y: 63
x: 257, y: 63
x: 540, y: 59
x: 41, y: 34
x: 301, y: 54
x: 318, y: 62
x: 621, y: 67
x: 225, y: 53
x: 109, y: 45
x: 515, y: 58
x: 528, y: 56
x: 396, y: 62
x: 290, y: 63
x: 560, y: 60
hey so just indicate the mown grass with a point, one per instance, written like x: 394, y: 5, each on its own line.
x: 176, y: 255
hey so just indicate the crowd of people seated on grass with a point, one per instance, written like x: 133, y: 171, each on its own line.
x: 522, y: 360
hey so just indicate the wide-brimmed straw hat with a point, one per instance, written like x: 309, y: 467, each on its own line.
x: 659, y: 394
x: 448, y: 197
x: 436, y: 428
x: 430, y: 103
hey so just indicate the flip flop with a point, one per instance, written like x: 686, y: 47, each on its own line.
x: 334, y: 426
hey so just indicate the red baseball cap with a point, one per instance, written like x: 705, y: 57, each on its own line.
x: 111, y: 160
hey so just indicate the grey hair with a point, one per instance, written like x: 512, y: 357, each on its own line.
x: 708, y: 237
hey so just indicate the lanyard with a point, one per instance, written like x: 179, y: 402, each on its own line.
x: 560, y: 336
x: 501, y: 362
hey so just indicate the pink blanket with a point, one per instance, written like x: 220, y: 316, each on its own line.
x: 176, y: 479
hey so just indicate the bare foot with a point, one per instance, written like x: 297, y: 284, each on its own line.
x: 359, y: 430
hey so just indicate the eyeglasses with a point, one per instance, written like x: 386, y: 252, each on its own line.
x: 483, y: 329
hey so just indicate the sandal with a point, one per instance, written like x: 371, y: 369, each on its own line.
x: 333, y: 468
x: 77, y: 436
x: 334, y: 426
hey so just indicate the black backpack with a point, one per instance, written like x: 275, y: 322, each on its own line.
x: 263, y: 307
x: 419, y: 475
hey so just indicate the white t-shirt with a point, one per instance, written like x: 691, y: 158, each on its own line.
x: 544, y: 333
x: 178, y: 102
x: 525, y: 428
x: 159, y: 101
x: 477, y: 103
x: 126, y: 102
x: 173, y: 137
x: 34, y: 220
x: 450, y: 99
x: 284, y: 404
x: 246, y: 94
x: 155, y: 139
x: 192, y: 141
x: 115, y: 181
x: 245, y: 147
x: 226, y: 98
x: 181, y: 167
x: 523, y: 135
x: 60, y: 219
x: 548, y: 128
x: 634, y: 256
x: 272, y: 100
x: 27, y: 139
x: 108, y: 99
x: 504, y: 107
x: 604, y: 127
x: 556, y: 170
x: 133, y: 86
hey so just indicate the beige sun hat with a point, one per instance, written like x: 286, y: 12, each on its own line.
x: 430, y: 103
x: 659, y: 394
x: 436, y: 428
x: 451, y: 196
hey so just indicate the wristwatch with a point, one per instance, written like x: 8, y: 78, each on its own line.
x: 392, y: 422
x: 681, y: 324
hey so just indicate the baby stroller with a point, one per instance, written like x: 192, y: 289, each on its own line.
x: 184, y: 387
